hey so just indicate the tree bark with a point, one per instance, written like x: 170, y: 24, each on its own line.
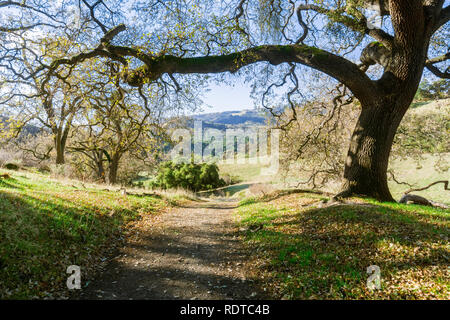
x: 98, y: 158
x: 113, y: 168
x: 60, y: 148
x: 367, y: 160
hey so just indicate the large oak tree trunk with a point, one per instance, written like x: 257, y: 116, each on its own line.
x: 368, y: 155
x: 366, y: 165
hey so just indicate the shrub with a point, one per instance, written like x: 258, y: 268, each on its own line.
x: 11, y: 166
x: 189, y: 176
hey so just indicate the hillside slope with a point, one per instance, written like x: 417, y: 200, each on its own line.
x: 47, y: 225
x: 310, y: 250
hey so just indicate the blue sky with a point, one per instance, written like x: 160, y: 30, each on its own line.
x: 224, y: 97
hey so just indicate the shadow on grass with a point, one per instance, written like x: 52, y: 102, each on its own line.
x: 40, y: 238
x: 318, y: 249
x: 11, y: 183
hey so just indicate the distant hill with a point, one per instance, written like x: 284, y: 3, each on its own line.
x: 232, y: 118
x: 226, y: 119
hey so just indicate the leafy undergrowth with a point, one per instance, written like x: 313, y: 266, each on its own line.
x: 305, y: 251
x: 46, y: 226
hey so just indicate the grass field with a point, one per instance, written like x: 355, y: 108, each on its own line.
x: 47, y: 225
x: 407, y: 170
x: 421, y: 176
x: 303, y: 251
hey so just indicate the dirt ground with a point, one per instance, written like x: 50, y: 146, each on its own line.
x: 191, y: 252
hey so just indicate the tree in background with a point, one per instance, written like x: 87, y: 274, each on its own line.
x: 431, y: 90
x: 115, y: 122
x: 29, y: 45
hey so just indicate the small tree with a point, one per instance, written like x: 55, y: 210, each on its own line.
x: 189, y: 176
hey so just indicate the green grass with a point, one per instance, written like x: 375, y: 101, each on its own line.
x: 243, y: 172
x: 46, y: 225
x: 305, y: 252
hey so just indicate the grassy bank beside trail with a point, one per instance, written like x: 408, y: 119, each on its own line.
x: 303, y: 251
x: 47, y: 225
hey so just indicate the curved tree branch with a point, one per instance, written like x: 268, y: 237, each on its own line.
x: 445, y: 182
x: 333, y: 65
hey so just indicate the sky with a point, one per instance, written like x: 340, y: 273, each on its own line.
x: 224, y: 97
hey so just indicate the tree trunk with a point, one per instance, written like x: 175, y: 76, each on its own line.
x: 113, y: 168
x: 367, y: 160
x: 100, y: 169
x: 59, y: 146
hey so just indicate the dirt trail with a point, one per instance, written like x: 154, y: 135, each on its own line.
x: 191, y: 252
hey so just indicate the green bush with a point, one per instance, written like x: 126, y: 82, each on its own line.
x: 11, y: 166
x: 189, y: 176
x: 439, y: 89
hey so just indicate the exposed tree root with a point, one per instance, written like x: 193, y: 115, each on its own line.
x: 415, y: 199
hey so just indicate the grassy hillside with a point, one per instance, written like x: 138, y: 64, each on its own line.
x: 47, y: 225
x: 304, y: 251
x: 421, y: 175
x: 406, y: 170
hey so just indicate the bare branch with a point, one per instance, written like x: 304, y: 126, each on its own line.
x: 445, y: 182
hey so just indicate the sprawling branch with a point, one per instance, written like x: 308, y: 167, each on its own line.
x: 36, y: 9
x: 24, y: 28
x: 155, y: 66
x: 445, y: 182
x: 335, y: 66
